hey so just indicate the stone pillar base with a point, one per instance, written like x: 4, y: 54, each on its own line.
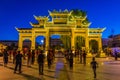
x: 89, y: 55
x: 102, y: 54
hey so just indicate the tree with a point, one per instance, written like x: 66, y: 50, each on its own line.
x: 94, y: 45
x: 78, y: 13
x: 80, y: 42
x: 66, y: 41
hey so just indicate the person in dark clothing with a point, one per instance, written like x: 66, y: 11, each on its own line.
x: 40, y: 60
x: 84, y: 57
x: 71, y: 59
x: 14, y: 54
x: 10, y: 54
x: 29, y: 55
x: 18, y: 59
x: 24, y: 54
x: 5, y: 57
x: 67, y: 56
x: 94, y: 65
x: 49, y: 59
x: 33, y: 57
x: 80, y: 53
x: 116, y: 55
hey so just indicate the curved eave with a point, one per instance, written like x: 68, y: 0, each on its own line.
x: 41, y: 17
x: 24, y: 30
x: 20, y: 29
x: 70, y: 13
x: 59, y: 13
x: 33, y: 24
x: 36, y: 17
x: 17, y: 29
x: 52, y: 14
x: 88, y: 24
x: 103, y: 29
x: 96, y: 29
x: 79, y: 18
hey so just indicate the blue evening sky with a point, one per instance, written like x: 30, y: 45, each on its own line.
x: 18, y: 13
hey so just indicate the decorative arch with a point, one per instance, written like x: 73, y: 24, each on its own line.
x: 76, y: 26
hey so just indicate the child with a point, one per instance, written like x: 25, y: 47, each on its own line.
x: 94, y: 65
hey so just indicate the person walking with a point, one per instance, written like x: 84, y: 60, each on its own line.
x: 18, y: 59
x: 80, y: 53
x: 84, y: 57
x: 33, y: 57
x: 49, y: 59
x: 14, y: 55
x: 29, y: 59
x: 5, y: 57
x: 59, y: 66
x: 116, y: 55
x: 71, y: 60
x: 94, y: 65
x: 40, y: 61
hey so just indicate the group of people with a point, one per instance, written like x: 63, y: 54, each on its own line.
x: 69, y: 55
x: 40, y: 60
x: 30, y: 57
x: 82, y: 54
x: 50, y: 58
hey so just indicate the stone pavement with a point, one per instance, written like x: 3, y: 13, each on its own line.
x: 108, y: 70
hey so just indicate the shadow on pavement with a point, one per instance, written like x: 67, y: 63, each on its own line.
x: 49, y: 76
x: 49, y: 70
x: 72, y: 71
x: 29, y: 77
x: 1, y: 64
x: 32, y: 67
x: 10, y: 67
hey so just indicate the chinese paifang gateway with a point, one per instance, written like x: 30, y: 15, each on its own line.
x: 64, y: 23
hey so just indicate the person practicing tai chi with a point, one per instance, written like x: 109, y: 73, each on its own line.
x: 18, y: 59
x: 94, y: 65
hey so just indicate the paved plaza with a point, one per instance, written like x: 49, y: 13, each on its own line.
x: 108, y: 70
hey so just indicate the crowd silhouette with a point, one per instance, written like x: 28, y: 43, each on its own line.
x: 39, y: 56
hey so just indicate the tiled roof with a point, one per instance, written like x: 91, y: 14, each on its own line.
x: 25, y: 28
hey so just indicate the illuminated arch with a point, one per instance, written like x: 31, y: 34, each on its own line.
x: 62, y: 25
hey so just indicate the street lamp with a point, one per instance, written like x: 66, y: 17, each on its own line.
x: 42, y: 41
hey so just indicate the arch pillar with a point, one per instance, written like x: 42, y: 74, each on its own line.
x: 33, y: 43
x: 102, y: 54
x: 100, y: 43
x: 20, y: 44
x: 47, y: 40
x: 72, y: 40
x: 87, y: 44
x: 87, y: 47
